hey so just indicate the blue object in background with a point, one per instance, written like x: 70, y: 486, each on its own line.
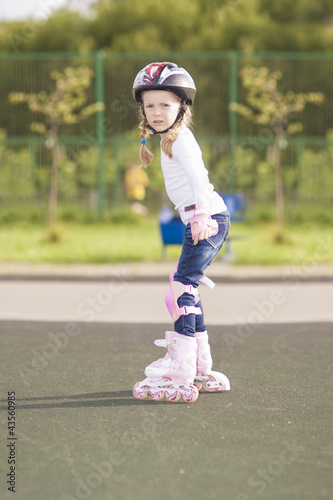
x: 235, y: 204
x: 172, y: 228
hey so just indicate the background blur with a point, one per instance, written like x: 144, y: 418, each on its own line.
x: 213, y: 40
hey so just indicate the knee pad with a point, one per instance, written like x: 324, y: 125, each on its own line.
x: 177, y: 289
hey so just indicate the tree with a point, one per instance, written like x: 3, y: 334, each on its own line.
x: 250, y: 25
x: 171, y: 25
x: 66, y: 105
x: 267, y: 106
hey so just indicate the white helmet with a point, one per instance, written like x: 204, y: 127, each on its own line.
x: 165, y: 76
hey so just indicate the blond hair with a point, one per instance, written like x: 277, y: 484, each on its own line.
x: 146, y: 155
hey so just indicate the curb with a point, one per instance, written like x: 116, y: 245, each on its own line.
x: 220, y: 272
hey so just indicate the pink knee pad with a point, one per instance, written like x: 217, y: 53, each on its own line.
x: 176, y: 290
x: 169, y: 295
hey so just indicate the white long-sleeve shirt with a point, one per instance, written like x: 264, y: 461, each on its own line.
x: 186, y: 178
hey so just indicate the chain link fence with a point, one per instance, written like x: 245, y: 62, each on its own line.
x: 95, y: 154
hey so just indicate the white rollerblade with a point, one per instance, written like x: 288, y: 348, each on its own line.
x: 211, y: 380
x: 173, y: 375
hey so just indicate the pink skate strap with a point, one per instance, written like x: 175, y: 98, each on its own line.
x: 160, y: 343
x: 165, y: 343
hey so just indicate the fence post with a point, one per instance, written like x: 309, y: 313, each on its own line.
x: 100, y: 130
x: 233, y: 97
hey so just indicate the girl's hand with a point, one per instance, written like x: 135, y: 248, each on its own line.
x: 202, y: 228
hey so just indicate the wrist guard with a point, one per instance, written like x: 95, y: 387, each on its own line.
x: 201, y: 225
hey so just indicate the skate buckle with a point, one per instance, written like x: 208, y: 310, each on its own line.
x: 160, y: 343
x: 186, y: 310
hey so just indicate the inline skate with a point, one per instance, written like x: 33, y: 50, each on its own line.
x: 172, y: 376
x: 205, y: 376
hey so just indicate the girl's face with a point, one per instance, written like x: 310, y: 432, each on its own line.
x: 161, y: 108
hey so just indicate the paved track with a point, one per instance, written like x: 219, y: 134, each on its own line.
x: 81, y: 434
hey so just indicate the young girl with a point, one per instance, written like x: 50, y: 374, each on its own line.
x: 165, y: 92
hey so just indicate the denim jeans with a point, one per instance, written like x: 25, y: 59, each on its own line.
x: 193, y: 261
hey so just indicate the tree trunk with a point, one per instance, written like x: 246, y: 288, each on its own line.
x: 53, y: 187
x: 279, y: 196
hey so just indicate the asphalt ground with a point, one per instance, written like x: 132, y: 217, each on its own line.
x: 80, y: 433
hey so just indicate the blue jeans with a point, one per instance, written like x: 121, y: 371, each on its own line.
x: 193, y: 261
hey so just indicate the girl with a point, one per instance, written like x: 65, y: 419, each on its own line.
x: 165, y: 92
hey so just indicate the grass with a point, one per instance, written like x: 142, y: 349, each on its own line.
x: 139, y: 240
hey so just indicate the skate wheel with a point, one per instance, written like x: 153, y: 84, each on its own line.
x: 198, y: 385
x: 210, y: 389
x: 173, y: 395
x: 156, y: 395
x: 139, y: 393
x: 192, y: 395
x: 207, y: 384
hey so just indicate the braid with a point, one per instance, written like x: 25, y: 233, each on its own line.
x: 186, y: 119
x: 145, y: 155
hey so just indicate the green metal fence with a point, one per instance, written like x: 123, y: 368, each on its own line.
x: 95, y: 153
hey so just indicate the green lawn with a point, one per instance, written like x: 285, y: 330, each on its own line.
x: 140, y: 240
